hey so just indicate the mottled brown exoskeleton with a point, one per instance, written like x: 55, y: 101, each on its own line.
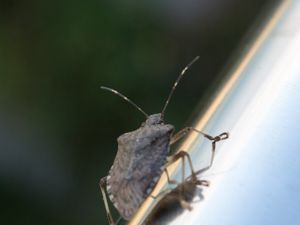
x: 141, y: 159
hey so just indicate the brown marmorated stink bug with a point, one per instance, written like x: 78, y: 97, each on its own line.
x: 142, y: 157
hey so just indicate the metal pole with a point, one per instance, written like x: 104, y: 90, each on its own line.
x: 255, y: 178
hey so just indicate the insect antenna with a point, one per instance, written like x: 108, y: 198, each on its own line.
x: 175, y: 85
x: 125, y: 98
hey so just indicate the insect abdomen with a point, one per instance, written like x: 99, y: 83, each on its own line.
x: 136, y: 169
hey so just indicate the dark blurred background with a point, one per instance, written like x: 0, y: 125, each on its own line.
x: 58, y: 130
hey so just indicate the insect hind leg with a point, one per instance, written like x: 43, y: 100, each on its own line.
x: 102, y: 185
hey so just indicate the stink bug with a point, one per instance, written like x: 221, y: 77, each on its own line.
x: 141, y: 159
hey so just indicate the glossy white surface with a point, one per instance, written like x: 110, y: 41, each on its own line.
x: 257, y: 171
x: 256, y: 174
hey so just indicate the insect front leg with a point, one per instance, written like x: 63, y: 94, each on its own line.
x: 181, y: 154
x: 215, y: 139
x: 102, y: 185
x: 180, y: 134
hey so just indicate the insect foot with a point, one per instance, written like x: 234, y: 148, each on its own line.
x: 140, y: 160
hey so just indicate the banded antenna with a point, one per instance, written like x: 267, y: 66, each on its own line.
x: 175, y: 85
x: 125, y: 98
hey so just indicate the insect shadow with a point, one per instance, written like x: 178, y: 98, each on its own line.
x: 174, y: 201
x: 142, y: 157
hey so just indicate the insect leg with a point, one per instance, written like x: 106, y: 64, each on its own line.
x: 181, y: 155
x: 172, y: 159
x: 215, y: 139
x: 184, y: 187
x: 168, y: 189
x: 102, y: 185
x: 168, y: 177
x: 180, y: 134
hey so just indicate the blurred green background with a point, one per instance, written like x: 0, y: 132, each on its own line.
x: 58, y: 130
